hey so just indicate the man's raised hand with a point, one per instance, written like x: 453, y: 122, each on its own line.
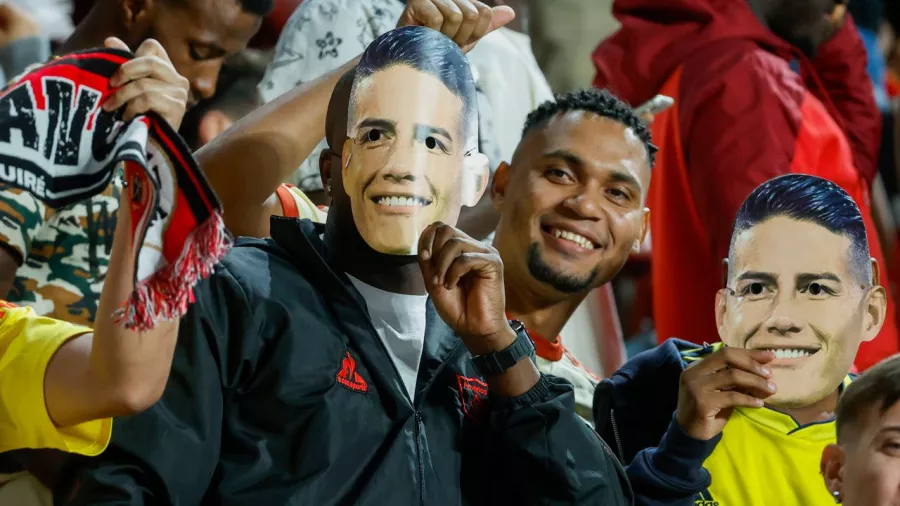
x: 711, y: 389
x: 148, y: 82
x: 464, y: 21
x: 465, y: 280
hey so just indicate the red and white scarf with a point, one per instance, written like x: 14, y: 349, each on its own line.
x: 59, y: 145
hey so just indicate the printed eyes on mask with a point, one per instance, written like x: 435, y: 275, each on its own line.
x: 761, y: 291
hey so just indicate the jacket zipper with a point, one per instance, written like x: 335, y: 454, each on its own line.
x: 419, y: 456
x: 617, y: 462
x: 615, y: 428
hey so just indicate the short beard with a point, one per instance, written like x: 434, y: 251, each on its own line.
x: 562, y: 282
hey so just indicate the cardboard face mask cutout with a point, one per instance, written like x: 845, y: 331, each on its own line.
x: 800, y: 289
x: 410, y: 158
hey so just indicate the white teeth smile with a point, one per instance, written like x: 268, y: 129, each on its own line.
x: 401, y: 201
x: 582, y: 241
x: 791, y: 353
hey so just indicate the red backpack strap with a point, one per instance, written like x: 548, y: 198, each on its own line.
x: 288, y: 204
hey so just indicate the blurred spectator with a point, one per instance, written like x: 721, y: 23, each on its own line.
x: 53, y: 17
x: 565, y: 33
x: 324, y: 34
x: 235, y: 97
x: 742, y: 115
x: 21, y: 42
x: 273, y: 24
x: 56, y: 262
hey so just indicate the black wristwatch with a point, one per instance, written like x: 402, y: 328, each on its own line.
x: 498, y: 362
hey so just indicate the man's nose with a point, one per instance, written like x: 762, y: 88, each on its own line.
x: 781, y: 320
x: 203, y: 86
x: 585, y: 204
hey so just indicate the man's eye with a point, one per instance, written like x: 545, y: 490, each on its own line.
x: 754, y: 289
x: 618, y: 194
x: 555, y: 173
x: 434, y: 143
x: 816, y: 289
x: 198, y: 53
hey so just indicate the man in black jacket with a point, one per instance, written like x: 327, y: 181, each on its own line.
x: 288, y: 383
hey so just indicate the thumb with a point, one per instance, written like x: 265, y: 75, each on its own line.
x: 501, y: 17
x: 116, y: 43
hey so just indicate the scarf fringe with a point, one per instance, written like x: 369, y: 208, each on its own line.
x: 166, y: 294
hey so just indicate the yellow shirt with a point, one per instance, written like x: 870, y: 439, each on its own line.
x: 765, y: 457
x: 27, y: 343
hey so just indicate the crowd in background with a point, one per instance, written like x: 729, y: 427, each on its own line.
x: 753, y: 101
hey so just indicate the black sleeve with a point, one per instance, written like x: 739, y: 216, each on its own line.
x: 168, y: 454
x: 671, y: 473
x: 539, y: 451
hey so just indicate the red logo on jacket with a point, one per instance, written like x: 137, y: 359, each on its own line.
x: 472, y: 395
x: 348, y: 376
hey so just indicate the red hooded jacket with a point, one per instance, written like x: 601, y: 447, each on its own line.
x: 742, y: 116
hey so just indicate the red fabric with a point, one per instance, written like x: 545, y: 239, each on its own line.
x: 741, y: 117
x: 288, y: 204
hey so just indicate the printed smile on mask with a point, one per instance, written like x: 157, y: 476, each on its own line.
x: 401, y: 201
x: 790, y: 354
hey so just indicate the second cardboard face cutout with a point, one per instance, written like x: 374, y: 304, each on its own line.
x: 796, y: 288
x: 410, y: 158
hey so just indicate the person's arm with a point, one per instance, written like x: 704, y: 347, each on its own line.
x: 287, y: 133
x: 272, y: 140
x: 533, y: 447
x: 113, y: 371
x: 168, y: 454
x: 841, y: 66
x: 21, y: 42
x: 672, y: 473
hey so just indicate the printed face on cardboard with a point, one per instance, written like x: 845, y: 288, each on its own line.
x: 410, y: 158
x: 793, y: 289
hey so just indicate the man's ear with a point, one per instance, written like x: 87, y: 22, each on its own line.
x: 874, y: 305
x: 211, y: 125
x: 137, y: 16
x: 476, y: 174
x: 498, y: 187
x: 832, y: 469
x: 875, y: 312
x: 645, y: 227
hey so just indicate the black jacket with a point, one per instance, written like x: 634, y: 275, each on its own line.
x: 281, y: 392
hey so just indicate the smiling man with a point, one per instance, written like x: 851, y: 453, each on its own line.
x: 572, y: 211
x: 755, y: 411
x: 412, y: 138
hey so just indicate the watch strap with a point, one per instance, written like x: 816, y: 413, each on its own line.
x: 494, y: 364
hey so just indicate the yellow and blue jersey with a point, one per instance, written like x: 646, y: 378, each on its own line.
x: 766, y: 457
x: 762, y: 457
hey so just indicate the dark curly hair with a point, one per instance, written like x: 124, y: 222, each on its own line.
x: 600, y: 102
